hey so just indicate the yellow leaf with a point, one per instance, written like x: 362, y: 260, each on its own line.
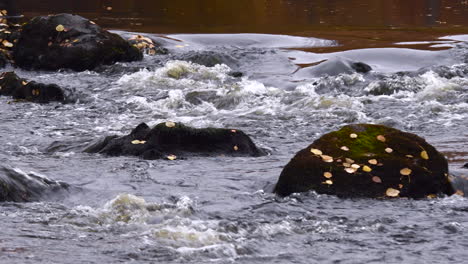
x: 392, y: 192
x: 353, y: 135
x: 410, y: 156
x: 170, y: 124
x: 316, y: 151
x: 136, y: 142
x: 60, y: 28
x: 327, y: 175
x: 7, y: 44
x: 376, y: 179
x: 327, y: 158
x: 431, y: 196
x: 381, y: 138
x: 329, y: 182
x: 424, y: 155
x: 373, y: 161
x: 366, y: 168
x: 172, y: 157
x: 405, y: 171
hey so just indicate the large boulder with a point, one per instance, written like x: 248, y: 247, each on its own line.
x: 69, y: 41
x: 21, y: 89
x: 366, y: 160
x: 18, y: 186
x: 171, y: 140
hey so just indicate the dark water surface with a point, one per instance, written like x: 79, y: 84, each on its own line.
x: 298, y: 83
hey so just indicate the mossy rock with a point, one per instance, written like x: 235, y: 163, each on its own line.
x: 173, y: 140
x: 365, y: 160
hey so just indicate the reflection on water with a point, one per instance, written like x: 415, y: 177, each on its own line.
x: 266, y: 16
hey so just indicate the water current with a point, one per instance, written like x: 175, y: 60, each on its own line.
x: 221, y: 209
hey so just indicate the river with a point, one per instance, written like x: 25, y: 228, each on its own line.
x: 297, y: 84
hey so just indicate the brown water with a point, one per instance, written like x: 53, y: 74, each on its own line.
x: 354, y: 23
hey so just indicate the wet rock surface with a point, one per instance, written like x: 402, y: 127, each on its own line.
x: 70, y: 42
x: 366, y: 160
x: 172, y: 140
x: 21, y: 89
x: 18, y: 186
x: 146, y: 45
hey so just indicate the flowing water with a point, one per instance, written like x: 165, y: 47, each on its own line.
x: 295, y: 87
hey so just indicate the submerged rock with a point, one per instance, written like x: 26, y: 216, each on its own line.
x: 170, y: 140
x: 69, y: 41
x: 21, y: 89
x: 366, y: 160
x: 18, y: 186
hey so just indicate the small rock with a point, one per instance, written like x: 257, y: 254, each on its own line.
x: 21, y: 89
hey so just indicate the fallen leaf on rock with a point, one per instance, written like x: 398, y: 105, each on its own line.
x: 353, y: 135
x: 460, y: 192
x: 316, y: 151
x: 376, y: 179
x: 405, y: 171
x: 392, y: 192
x: 236, y: 148
x: 327, y: 175
x: 344, y: 148
x: 137, y: 142
x: 347, y: 165
x: 24, y: 83
x: 350, y: 170
x: 7, y: 44
x: 372, y: 161
x: 410, y: 156
x: 329, y: 182
x: 233, y: 130
x: 172, y: 157
x: 366, y: 168
x: 381, y: 138
x: 327, y: 158
x: 170, y: 124
x: 350, y: 161
x: 431, y: 196
x: 388, y: 150
x: 424, y: 155
x: 355, y: 166
x: 60, y: 28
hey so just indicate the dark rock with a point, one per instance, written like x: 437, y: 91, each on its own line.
x: 236, y: 74
x: 361, y: 67
x: 69, y: 41
x: 210, y: 58
x: 465, y: 166
x: 399, y: 164
x: 169, y: 138
x: 21, y: 89
x: 17, y: 186
x: 147, y: 45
